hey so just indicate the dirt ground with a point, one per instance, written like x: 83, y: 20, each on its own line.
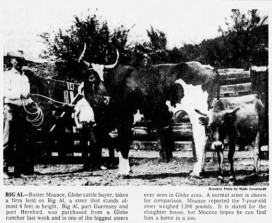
x: 147, y: 170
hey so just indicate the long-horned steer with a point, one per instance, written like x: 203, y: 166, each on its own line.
x: 157, y: 92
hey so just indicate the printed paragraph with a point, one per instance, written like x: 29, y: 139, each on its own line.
x: 66, y: 206
x: 213, y: 202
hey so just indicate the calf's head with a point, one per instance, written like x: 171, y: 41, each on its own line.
x: 222, y: 128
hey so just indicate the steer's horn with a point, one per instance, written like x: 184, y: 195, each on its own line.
x: 113, y: 65
x: 199, y: 112
x: 235, y: 110
x: 82, y: 54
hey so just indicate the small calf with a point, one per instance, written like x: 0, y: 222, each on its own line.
x: 236, y: 121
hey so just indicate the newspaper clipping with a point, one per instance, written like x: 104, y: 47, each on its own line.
x: 135, y: 111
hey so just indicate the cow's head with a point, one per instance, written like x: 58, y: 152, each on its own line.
x: 221, y: 127
x: 94, y: 87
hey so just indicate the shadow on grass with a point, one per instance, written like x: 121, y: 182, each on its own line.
x: 160, y: 176
x: 246, y: 180
x: 251, y: 180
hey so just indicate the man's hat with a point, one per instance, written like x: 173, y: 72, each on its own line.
x: 16, y: 54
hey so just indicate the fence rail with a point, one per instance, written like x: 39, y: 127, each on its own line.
x: 66, y: 141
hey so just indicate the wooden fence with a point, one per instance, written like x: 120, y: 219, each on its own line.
x: 64, y: 141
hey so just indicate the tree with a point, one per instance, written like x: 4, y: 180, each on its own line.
x: 243, y: 43
x: 175, y: 55
x: 158, y: 40
x: 155, y: 48
x: 157, y: 44
x: 246, y: 39
x: 65, y: 46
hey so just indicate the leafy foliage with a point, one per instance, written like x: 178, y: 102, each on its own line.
x: 246, y: 39
x: 244, y: 42
x: 155, y: 48
x: 66, y: 46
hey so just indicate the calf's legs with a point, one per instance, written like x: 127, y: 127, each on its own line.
x: 166, y: 144
x: 230, y: 157
x: 220, y: 161
x: 256, y: 154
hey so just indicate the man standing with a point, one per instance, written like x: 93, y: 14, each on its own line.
x: 16, y: 133
x: 84, y: 120
x: 86, y: 123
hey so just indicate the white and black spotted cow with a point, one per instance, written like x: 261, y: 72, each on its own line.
x: 157, y: 92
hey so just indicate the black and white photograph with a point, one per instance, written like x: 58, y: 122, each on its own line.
x: 135, y: 93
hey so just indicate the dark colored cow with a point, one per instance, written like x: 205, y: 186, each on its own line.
x: 236, y: 121
x: 157, y: 92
